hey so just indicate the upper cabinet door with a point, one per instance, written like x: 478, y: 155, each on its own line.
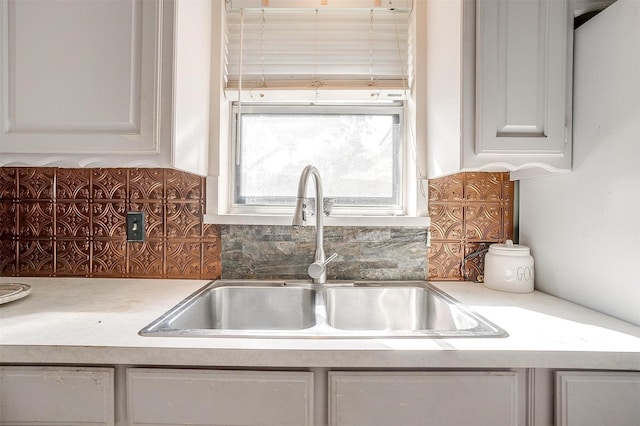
x: 523, y: 86
x: 84, y: 79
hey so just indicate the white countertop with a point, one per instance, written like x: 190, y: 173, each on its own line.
x: 96, y: 321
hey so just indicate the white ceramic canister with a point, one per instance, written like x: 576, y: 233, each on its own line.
x: 509, y: 267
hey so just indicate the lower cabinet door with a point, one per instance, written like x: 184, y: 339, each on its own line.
x: 219, y: 397
x: 597, y: 398
x: 423, y: 398
x: 56, y: 396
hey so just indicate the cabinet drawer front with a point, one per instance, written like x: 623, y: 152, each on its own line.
x: 56, y: 395
x: 423, y: 398
x: 216, y: 397
x: 597, y: 398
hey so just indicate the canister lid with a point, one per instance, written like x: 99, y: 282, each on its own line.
x: 509, y: 249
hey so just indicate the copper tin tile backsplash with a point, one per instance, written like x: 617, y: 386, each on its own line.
x: 72, y: 222
x: 468, y: 212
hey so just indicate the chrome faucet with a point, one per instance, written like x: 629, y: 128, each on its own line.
x: 318, y: 269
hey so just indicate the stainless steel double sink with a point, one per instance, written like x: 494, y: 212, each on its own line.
x: 293, y: 309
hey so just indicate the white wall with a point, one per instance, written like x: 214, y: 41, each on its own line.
x: 584, y: 227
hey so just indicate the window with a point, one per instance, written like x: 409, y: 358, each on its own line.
x: 327, y: 87
x: 357, y: 149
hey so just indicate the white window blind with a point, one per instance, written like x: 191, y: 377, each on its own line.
x: 338, y: 54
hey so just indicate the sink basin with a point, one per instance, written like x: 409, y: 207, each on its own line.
x: 394, y: 309
x: 242, y: 309
x: 299, y: 309
x: 249, y: 308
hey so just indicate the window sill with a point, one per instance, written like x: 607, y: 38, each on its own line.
x: 386, y: 221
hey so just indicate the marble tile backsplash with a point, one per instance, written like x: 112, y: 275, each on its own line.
x: 285, y: 252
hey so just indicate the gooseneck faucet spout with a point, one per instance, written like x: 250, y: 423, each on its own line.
x: 317, y: 270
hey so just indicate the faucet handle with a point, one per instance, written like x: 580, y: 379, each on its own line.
x: 318, y: 268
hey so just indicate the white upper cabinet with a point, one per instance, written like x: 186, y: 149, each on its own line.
x: 515, y: 96
x: 523, y: 90
x: 89, y: 83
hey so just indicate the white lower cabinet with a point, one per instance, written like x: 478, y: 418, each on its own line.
x: 56, y: 396
x: 219, y: 397
x: 594, y: 398
x: 39, y: 395
x: 426, y: 398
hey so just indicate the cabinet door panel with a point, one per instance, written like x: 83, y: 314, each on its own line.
x: 523, y: 84
x: 85, y: 76
x: 80, y: 77
x: 56, y: 396
x: 597, y: 398
x: 423, y: 398
x: 213, y: 397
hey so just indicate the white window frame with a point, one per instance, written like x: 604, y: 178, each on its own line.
x: 219, y: 209
x: 396, y: 109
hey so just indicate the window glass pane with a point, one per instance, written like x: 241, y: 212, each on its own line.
x: 356, y: 154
